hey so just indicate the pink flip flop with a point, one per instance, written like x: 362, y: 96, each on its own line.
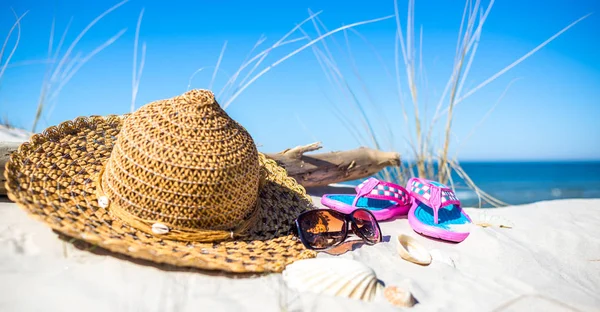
x: 436, y: 211
x: 385, y: 200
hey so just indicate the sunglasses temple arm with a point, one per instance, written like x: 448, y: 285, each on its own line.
x: 295, y: 229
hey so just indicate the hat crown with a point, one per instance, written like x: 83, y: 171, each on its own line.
x: 185, y: 163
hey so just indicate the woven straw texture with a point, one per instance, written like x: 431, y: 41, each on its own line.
x: 181, y: 162
x: 185, y: 163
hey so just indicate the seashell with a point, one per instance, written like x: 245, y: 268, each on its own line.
x: 338, y: 277
x: 103, y: 201
x: 159, y: 228
x: 439, y: 256
x: 410, y: 250
x: 399, y: 297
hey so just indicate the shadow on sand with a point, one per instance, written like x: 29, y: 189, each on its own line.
x: 96, y: 250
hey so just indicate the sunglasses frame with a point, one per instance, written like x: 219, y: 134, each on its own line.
x: 348, y: 220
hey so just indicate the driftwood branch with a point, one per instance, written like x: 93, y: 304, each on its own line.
x: 334, y: 167
x: 309, y: 170
x: 6, y: 148
x: 298, y: 151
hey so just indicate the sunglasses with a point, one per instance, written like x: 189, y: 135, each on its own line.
x: 321, y: 229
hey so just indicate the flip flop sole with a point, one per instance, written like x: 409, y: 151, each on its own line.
x: 453, y: 223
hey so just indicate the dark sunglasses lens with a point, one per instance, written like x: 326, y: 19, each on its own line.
x: 322, y: 229
x: 365, y: 226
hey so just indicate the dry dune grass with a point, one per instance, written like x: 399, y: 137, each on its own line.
x: 430, y: 160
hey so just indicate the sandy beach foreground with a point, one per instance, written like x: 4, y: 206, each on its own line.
x: 548, y: 261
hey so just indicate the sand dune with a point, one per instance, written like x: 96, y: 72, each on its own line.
x: 548, y: 261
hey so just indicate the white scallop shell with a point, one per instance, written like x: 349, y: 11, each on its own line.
x: 332, y: 276
x: 409, y: 249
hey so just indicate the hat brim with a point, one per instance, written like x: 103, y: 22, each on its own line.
x: 52, y: 178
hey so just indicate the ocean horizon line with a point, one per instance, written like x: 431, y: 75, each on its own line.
x: 517, y: 161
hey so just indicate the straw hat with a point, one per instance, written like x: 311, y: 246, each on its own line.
x: 177, y: 181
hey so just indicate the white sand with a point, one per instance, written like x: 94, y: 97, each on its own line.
x: 549, y: 261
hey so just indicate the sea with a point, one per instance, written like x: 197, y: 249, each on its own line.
x: 517, y: 183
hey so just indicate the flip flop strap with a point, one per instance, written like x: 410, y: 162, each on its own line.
x: 432, y: 194
x: 374, y: 188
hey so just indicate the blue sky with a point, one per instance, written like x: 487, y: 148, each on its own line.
x: 550, y: 112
